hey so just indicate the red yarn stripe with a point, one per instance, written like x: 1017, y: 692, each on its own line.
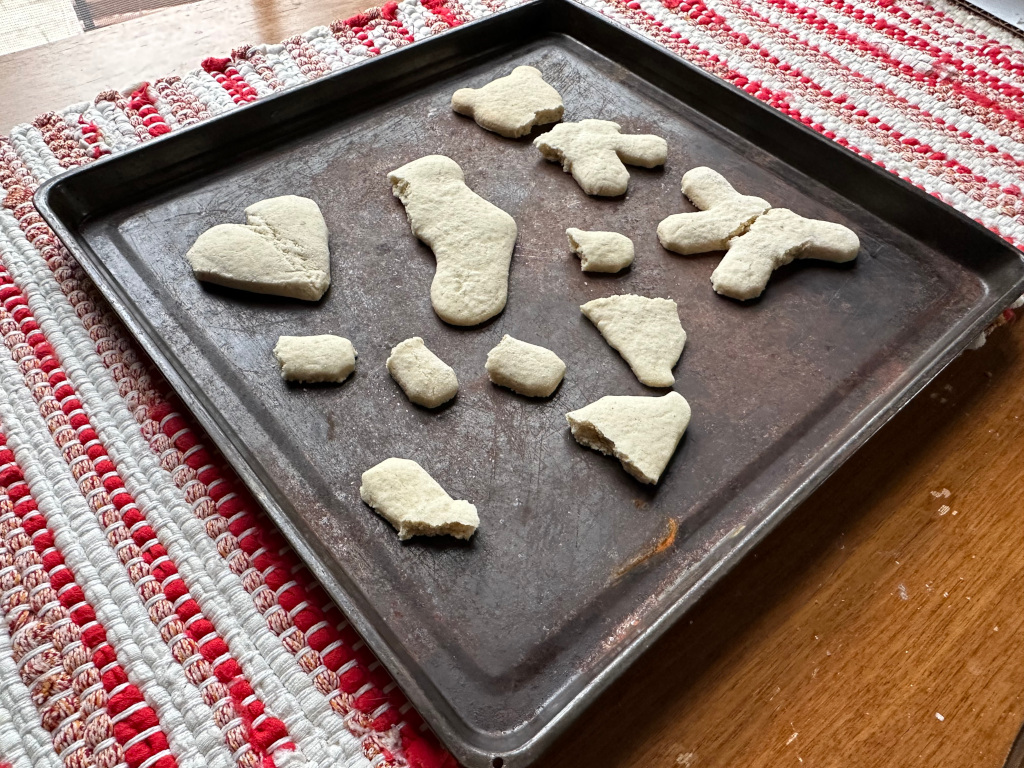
x: 302, y: 598
x: 142, y: 104
x: 442, y: 9
x: 92, y: 136
x: 56, y: 397
x: 121, y: 693
x: 229, y: 78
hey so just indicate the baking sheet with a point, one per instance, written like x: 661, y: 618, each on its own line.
x: 576, y: 566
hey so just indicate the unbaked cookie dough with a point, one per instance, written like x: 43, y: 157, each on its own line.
x: 641, y: 432
x: 646, y: 332
x: 424, y: 377
x: 315, y: 358
x: 724, y: 214
x: 281, y: 249
x: 512, y: 105
x: 601, y: 251
x: 595, y: 153
x: 777, y: 238
x: 472, y: 239
x: 525, y: 368
x: 402, y: 492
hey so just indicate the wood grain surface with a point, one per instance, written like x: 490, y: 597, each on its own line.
x: 880, y: 625
x: 170, y: 41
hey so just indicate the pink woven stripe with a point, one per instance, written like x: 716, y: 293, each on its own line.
x: 185, y: 106
x: 227, y: 511
x: 229, y: 78
x: 205, y: 657
x: 911, y: 87
x: 61, y: 140
x: 122, y: 104
x: 84, y: 698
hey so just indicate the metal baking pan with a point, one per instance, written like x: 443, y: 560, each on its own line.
x: 576, y: 568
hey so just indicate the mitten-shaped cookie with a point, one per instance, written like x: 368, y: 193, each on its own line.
x: 512, y: 105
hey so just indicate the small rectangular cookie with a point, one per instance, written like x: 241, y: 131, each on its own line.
x: 424, y: 377
x: 315, y: 359
x: 528, y: 369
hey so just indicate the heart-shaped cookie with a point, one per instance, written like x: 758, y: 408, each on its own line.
x: 281, y: 249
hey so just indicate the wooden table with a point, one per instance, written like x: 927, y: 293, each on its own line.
x: 881, y: 625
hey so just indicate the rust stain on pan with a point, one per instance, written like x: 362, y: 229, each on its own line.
x: 660, y: 546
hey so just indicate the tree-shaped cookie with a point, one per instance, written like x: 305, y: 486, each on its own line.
x: 774, y: 239
x: 641, y: 432
x: 724, y: 214
x: 646, y: 332
x: 596, y: 154
x: 512, y: 105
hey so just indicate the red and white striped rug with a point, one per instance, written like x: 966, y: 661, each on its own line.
x: 150, y: 616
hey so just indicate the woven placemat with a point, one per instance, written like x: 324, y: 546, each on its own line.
x: 150, y: 616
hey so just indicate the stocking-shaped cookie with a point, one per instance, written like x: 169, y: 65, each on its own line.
x: 724, y: 214
x: 472, y: 239
x: 405, y: 495
x: 512, y: 105
x: 774, y: 239
x: 596, y: 154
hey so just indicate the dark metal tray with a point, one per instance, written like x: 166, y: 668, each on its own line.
x: 576, y: 568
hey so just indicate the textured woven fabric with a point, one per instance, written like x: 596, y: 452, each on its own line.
x: 150, y: 616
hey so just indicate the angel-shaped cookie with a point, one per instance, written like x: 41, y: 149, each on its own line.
x: 757, y: 238
x: 776, y: 238
x: 596, y: 154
